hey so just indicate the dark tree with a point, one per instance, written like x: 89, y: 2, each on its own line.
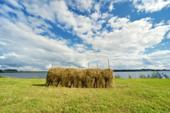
x: 166, y: 76
x: 117, y: 76
x: 148, y: 76
x: 130, y: 76
x: 142, y: 76
x: 156, y: 74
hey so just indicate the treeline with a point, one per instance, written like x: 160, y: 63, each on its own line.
x: 8, y: 70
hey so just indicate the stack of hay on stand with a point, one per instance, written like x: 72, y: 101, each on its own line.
x: 80, y: 78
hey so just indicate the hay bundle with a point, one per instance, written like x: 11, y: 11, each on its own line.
x: 85, y: 78
x: 54, y: 76
x: 108, y: 77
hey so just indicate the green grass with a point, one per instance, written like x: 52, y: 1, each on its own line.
x: 129, y: 96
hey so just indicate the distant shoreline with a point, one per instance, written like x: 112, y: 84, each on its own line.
x: 115, y: 70
x: 131, y: 70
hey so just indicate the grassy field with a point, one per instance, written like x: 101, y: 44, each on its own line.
x: 129, y: 96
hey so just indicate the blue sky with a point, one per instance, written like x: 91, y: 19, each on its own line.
x: 38, y: 34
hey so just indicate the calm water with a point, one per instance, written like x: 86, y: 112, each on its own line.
x: 136, y: 74
x: 133, y: 74
x: 25, y: 74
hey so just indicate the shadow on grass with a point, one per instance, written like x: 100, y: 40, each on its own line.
x: 121, y: 86
x: 40, y: 85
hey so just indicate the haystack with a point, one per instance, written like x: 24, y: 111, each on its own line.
x: 80, y: 78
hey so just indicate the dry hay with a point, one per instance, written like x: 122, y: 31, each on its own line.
x: 80, y: 78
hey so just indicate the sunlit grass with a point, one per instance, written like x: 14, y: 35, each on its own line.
x: 129, y: 96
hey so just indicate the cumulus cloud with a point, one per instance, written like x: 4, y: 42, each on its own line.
x: 81, y: 5
x: 159, y: 59
x: 129, y: 40
x: 54, y: 10
x: 23, y: 47
x: 14, y: 3
x: 127, y: 35
x: 168, y: 35
x: 151, y: 5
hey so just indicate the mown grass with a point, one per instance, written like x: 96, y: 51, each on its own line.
x: 129, y: 96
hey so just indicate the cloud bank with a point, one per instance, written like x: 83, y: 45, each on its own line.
x: 35, y: 35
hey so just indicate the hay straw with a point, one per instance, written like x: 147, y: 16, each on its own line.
x: 80, y: 78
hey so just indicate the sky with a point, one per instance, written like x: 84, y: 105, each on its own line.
x: 39, y: 34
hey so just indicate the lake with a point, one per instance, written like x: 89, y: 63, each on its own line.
x: 133, y: 74
x: 25, y: 74
x: 137, y: 74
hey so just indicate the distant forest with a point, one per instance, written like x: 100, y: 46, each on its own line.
x: 8, y: 70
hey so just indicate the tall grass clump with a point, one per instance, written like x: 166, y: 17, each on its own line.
x: 79, y: 78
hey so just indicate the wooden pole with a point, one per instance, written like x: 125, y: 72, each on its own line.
x: 108, y: 63
x: 114, y: 79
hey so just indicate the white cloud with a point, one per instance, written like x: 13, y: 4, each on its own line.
x: 49, y: 66
x: 2, y: 57
x: 168, y: 35
x: 81, y: 5
x: 58, y: 11
x: 138, y: 34
x: 159, y: 59
x: 55, y: 10
x: 151, y: 5
x: 126, y: 44
x: 14, y: 3
x: 34, y: 50
x: 24, y: 48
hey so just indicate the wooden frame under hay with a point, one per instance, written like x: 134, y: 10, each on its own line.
x: 80, y: 78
